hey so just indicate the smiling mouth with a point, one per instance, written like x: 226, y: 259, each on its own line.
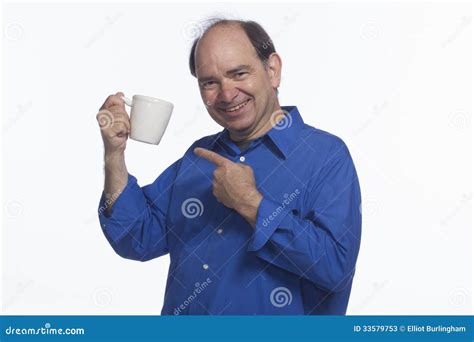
x: 236, y: 108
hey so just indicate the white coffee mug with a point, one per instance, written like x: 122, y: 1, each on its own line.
x: 149, y: 118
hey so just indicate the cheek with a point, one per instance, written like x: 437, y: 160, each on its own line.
x: 208, y: 98
x: 251, y: 87
x: 257, y: 88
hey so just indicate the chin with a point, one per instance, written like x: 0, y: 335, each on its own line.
x: 241, y: 125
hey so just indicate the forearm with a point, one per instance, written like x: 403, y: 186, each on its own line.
x: 248, y: 209
x: 321, y: 249
x: 116, y: 176
x: 308, y: 251
x: 137, y: 230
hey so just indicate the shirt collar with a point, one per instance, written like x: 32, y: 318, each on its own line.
x: 283, y: 135
x: 286, y: 131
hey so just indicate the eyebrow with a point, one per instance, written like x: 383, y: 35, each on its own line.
x: 228, y: 73
x: 237, y: 69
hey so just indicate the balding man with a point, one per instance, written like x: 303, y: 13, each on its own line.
x: 261, y: 218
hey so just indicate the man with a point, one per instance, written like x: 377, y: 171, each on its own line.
x: 261, y: 218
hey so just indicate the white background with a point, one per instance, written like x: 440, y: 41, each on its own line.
x: 393, y: 81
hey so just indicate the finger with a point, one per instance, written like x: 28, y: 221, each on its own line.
x: 119, y: 128
x: 120, y: 114
x: 214, y: 192
x: 217, y: 174
x: 126, y: 123
x: 118, y: 109
x: 211, y: 156
x: 112, y: 100
x: 106, y: 119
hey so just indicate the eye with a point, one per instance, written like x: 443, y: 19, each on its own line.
x: 207, y: 84
x: 240, y: 74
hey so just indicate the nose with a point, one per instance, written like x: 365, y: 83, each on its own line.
x: 228, y: 92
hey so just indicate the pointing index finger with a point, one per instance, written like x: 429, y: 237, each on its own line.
x: 211, y: 156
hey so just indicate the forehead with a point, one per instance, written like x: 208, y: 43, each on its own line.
x: 222, y: 48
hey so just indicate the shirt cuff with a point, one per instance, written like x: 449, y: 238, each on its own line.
x: 270, y: 216
x: 127, y: 208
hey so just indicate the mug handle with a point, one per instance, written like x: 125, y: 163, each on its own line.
x: 128, y: 102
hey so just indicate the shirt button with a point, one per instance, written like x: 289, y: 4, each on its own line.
x: 220, y: 230
x: 242, y: 159
x: 205, y: 266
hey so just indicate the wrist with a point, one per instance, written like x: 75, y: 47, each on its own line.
x: 114, y: 156
x: 249, y: 208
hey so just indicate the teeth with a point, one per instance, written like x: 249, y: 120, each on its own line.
x: 233, y: 109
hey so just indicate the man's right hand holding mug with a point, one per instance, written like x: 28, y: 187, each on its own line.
x: 114, y: 125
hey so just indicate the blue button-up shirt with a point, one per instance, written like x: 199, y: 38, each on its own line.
x: 300, y: 257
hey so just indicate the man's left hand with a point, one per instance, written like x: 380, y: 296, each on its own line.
x: 234, y: 185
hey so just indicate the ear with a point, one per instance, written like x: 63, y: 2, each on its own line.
x: 274, y: 69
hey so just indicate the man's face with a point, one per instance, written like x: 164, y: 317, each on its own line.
x: 237, y: 89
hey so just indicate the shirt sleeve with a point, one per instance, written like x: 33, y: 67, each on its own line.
x: 135, y: 226
x: 322, y: 246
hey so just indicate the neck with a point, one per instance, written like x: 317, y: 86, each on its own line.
x: 261, y: 129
